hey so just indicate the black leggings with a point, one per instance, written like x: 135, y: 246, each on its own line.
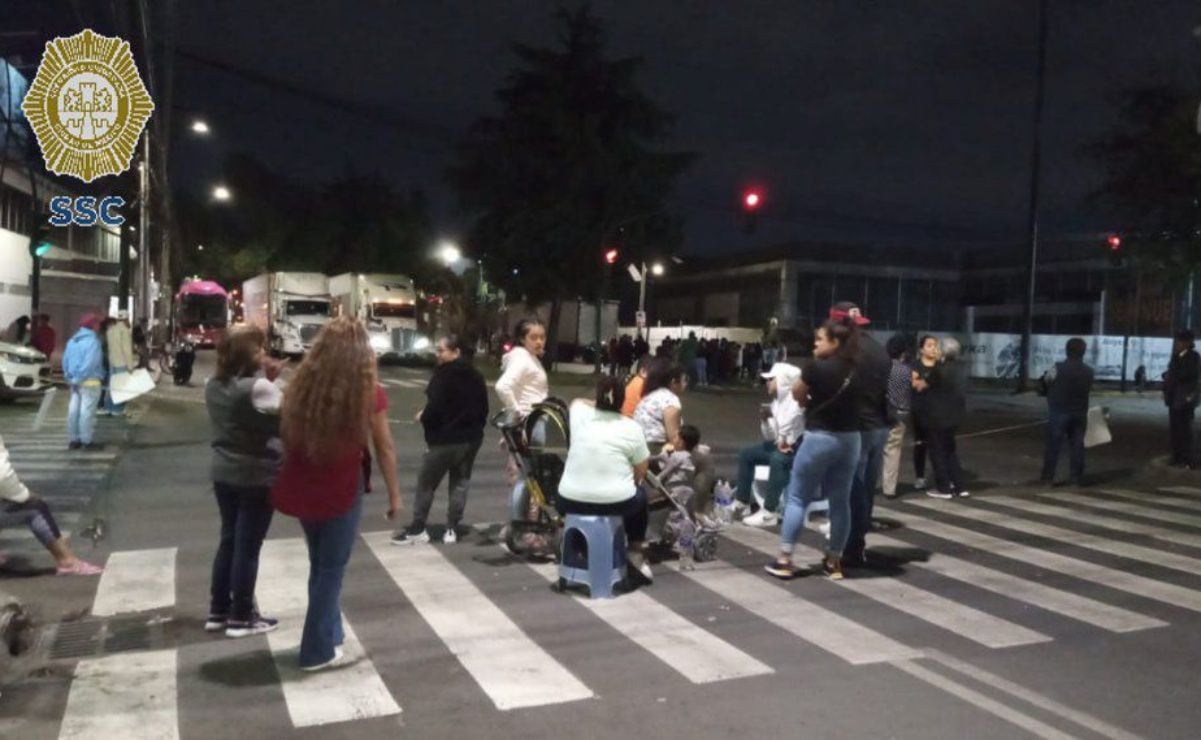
x: 633, y: 512
x: 921, y: 439
x: 36, y: 515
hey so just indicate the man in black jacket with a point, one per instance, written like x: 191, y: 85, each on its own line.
x: 1180, y: 395
x: 1068, y: 385
x: 455, y: 412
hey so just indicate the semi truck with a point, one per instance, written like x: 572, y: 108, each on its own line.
x: 387, y: 304
x: 291, y: 307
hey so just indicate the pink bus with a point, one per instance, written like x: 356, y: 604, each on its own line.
x: 201, y: 313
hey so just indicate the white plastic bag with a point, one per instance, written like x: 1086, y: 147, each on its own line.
x: 125, y: 386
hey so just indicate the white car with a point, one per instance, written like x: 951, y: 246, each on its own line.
x: 23, y: 371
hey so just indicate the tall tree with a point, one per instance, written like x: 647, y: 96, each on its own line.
x: 573, y: 160
x: 1153, y: 181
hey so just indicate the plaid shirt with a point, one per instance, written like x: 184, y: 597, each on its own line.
x: 900, y: 388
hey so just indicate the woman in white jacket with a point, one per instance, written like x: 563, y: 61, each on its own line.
x: 19, y: 503
x: 522, y: 381
x: 782, y: 425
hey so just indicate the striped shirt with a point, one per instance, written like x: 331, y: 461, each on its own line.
x: 900, y: 388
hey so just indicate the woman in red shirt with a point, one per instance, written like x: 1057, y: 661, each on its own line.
x: 331, y: 407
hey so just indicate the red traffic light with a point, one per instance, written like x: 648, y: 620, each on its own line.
x: 611, y: 256
x: 752, y: 199
x: 1114, y: 241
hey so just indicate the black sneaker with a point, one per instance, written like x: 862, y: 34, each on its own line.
x: 257, y: 625
x: 216, y: 623
x: 75, y: 445
x: 832, y: 567
x: 405, y: 537
x: 855, y: 558
x: 782, y: 569
x: 93, y: 447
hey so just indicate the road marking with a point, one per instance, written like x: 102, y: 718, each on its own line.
x: 939, y: 611
x: 352, y: 692
x: 401, y: 383
x: 127, y: 695
x: 1000, y: 430
x: 1182, y: 489
x: 698, y: 655
x: 1082, y: 608
x: 65, y: 464
x: 816, y: 625
x: 513, y: 670
x: 1102, y: 520
x: 1103, y: 544
x: 1185, y: 598
x: 1018, y: 691
x: 136, y: 581
x: 982, y: 702
x: 1153, y: 500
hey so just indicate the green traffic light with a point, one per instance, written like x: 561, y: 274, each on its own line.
x: 41, y: 249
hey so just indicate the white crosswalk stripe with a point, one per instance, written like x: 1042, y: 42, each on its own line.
x: 1173, y: 501
x: 961, y: 619
x: 1168, y: 593
x: 127, y: 695
x: 136, y: 581
x: 1076, y: 538
x: 512, y: 669
x: 1084, y: 516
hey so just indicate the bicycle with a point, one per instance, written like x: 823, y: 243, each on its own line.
x: 533, y: 443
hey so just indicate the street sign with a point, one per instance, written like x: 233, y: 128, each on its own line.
x: 640, y: 319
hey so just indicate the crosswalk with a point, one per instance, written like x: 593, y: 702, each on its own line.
x: 995, y: 574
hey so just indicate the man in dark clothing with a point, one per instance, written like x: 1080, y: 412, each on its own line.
x: 455, y: 412
x: 1067, y: 385
x: 1180, y: 394
x: 871, y: 403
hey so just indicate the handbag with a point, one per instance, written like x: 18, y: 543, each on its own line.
x: 1096, y: 430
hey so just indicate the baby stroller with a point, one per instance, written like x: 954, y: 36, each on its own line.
x: 684, y: 527
x: 537, y: 445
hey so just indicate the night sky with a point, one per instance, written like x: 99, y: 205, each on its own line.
x: 899, y: 122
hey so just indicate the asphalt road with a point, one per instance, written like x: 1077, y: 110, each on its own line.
x: 1022, y: 611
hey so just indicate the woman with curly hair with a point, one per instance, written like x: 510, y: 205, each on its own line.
x: 332, y: 406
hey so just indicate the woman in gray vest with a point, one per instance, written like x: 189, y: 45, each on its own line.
x: 243, y: 404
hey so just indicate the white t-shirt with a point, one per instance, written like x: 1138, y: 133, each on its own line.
x: 522, y: 382
x: 649, y: 414
x: 605, y: 447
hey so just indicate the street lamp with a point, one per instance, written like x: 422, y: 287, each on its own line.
x: 657, y: 269
x: 449, y: 253
x: 222, y: 193
x: 200, y: 128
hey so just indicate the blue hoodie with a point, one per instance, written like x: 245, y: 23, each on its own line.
x: 83, y: 358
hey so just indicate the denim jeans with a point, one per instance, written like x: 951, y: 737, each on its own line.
x: 245, y: 517
x: 701, y: 369
x: 456, y: 460
x: 863, y: 492
x: 109, y: 406
x: 780, y: 463
x: 81, y: 413
x: 825, y: 464
x: 330, y: 542
x: 1063, y: 425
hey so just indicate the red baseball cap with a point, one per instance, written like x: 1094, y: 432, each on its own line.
x: 90, y: 321
x: 844, y: 310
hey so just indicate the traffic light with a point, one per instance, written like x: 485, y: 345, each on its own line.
x: 1116, y: 254
x: 610, y: 256
x: 39, y: 242
x: 752, y: 201
x: 1115, y: 242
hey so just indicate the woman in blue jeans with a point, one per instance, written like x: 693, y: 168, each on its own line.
x: 332, y: 406
x: 829, y: 452
x: 243, y: 407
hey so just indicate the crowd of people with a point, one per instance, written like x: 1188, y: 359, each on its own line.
x: 705, y: 361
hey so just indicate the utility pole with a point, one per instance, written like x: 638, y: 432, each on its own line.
x: 1035, y: 157
x: 144, y: 298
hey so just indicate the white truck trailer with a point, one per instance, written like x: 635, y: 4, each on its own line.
x: 291, y: 307
x: 388, y: 305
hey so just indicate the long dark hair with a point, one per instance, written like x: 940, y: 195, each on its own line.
x: 610, y: 394
x: 523, y: 327
x: 660, y: 374
x: 847, y: 336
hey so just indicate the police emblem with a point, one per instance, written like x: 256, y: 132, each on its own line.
x: 87, y: 105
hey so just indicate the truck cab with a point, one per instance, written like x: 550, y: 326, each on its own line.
x: 387, y: 304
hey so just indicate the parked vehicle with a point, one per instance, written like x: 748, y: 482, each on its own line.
x: 291, y: 307
x: 388, y: 305
x: 23, y: 371
x: 201, y: 313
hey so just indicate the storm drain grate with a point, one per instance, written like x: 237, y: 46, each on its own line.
x: 91, y: 637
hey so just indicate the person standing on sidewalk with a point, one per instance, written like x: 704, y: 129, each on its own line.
x: 19, y: 503
x: 900, y: 394
x: 947, y: 406
x: 119, y: 342
x: 333, y: 405
x: 1067, y: 385
x: 782, y: 423
x: 456, y: 410
x: 928, y: 353
x: 871, y: 402
x: 243, y: 407
x: 83, y: 369
x: 1180, y: 395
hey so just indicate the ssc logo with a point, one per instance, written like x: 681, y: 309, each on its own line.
x: 87, y: 106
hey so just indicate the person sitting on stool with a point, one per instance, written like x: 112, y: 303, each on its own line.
x: 782, y: 423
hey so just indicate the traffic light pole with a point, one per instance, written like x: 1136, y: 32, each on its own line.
x: 1035, y: 161
x: 35, y: 288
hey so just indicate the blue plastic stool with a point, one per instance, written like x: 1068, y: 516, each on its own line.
x: 593, y: 553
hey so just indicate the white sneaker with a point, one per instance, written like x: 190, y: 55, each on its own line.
x: 763, y: 518
x: 333, y: 662
x: 404, y: 538
x: 939, y: 494
x: 450, y: 537
x: 824, y: 528
x: 962, y: 494
x: 919, y: 484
